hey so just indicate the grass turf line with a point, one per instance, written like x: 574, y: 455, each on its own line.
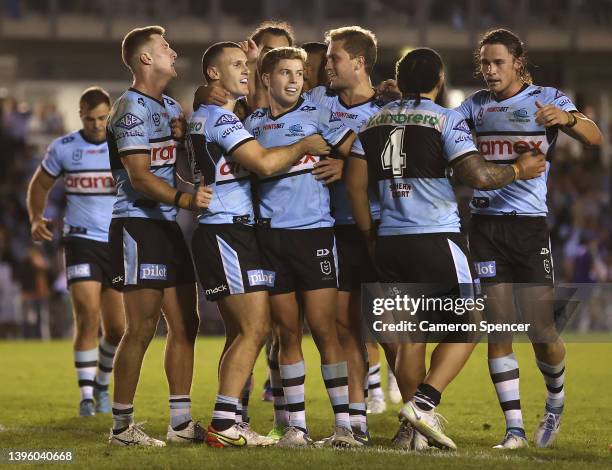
x: 39, y: 403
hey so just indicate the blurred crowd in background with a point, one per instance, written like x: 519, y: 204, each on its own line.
x: 34, y: 302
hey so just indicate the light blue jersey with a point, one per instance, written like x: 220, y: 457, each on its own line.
x: 141, y: 124
x: 293, y: 198
x: 503, y: 130
x: 215, y: 133
x: 408, y: 149
x: 88, y: 182
x: 354, y: 117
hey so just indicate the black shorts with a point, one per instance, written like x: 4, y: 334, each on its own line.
x: 148, y: 253
x: 228, y: 261
x: 87, y: 260
x: 302, y: 259
x: 511, y: 249
x: 355, y: 266
x: 434, y: 265
x: 424, y: 258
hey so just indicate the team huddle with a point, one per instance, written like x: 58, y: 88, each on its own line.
x: 308, y: 182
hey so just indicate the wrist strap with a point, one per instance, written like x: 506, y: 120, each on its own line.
x: 177, y: 198
x: 517, y: 171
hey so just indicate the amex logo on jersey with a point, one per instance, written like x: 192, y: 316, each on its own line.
x: 508, y: 147
x: 94, y: 182
x: 229, y: 170
x: 163, y: 153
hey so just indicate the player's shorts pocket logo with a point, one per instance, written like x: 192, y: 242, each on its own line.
x: 261, y: 277
x: 154, y: 272
x: 78, y: 270
x: 326, y: 267
x: 486, y: 269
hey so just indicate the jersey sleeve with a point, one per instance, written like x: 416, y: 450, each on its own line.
x: 130, y: 129
x: 52, y: 163
x: 316, y: 94
x: 457, y: 137
x: 562, y: 101
x: 226, y: 130
x: 332, y: 128
x: 465, y: 110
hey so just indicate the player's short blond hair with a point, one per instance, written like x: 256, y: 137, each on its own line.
x: 358, y: 42
x: 134, y: 40
x: 273, y: 57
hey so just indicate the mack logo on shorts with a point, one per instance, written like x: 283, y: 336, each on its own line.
x: 216, y: 290
x: 261, y: 277
x: 323, y: 252
x: 326, y: 267
x: 486, y: 268
x: 78, y: 270
x: 155, y: 272
x: 129, y: 121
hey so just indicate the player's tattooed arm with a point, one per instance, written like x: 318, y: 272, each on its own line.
x: 473, y: 170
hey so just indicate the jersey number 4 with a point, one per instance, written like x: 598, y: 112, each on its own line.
x: 393, y: 155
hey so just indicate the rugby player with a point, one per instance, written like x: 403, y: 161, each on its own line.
x: 351, y: 56
x: 297, y: 241
x: 508, y: 233
x: 224, y: 244
x: 407, y: 148
x: 150, y: 259
x: 81, y: 158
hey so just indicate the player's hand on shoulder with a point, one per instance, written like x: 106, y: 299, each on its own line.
x: 530, y: 165
x: 178, y: 127
x: 316, y: 145
x: 328, y: 170
x: 210, y: 94
x: 388, y: 90
x: 250, y: 49
x: 40, y: 231
x: 550, y: 115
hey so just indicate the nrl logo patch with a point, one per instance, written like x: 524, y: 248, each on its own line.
x: 129, y: 121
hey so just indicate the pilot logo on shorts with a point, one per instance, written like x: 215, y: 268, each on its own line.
x: 261, y: 277
x: 486, y: 269
x: 153, y: 272
x: 78, y: 271
x: 326, y: 267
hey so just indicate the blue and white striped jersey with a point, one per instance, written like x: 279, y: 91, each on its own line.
x: 215, y: 133
x: 354, y: 117
x: 88, y: 182
x: 293, y: 198
x: 408, y: 149
x: 503, y: 129
x: 140, y: 124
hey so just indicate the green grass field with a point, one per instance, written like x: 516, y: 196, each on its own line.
x: 39, y: 401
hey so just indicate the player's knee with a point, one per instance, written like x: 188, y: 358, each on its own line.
x: 87, y: 323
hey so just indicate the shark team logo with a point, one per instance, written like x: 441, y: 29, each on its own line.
x: 129, y: 121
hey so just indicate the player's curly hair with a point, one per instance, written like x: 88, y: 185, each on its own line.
x: 418, y: 72
x: 513, y: 43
